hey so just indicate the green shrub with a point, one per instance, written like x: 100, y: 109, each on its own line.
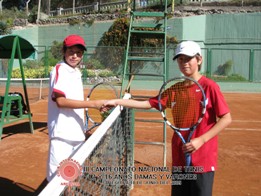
x: 106, y: 73
x: 32, y: 64
x: 29, y: 73
x: 56, y: 50
x: 236, y: 77
x: 94, y: 64
x: 231, y: 78
x: 228, y: 67
x: 4, y: 28
x: 91, y: 73
x: 74, y: 21
x: 89, y: 22
x: 224, y: 69
x: 94, y: 73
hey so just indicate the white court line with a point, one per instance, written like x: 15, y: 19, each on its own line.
x: 227, y: 129
x: 39, y: 114
x: 247, y: 121
x: 242, y: 129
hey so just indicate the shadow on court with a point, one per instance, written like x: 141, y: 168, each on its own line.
x: 23, y: 127
x: 41, y: 187
x: 9, y: 187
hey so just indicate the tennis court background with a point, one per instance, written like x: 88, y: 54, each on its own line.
x: 238, y: 43
x: 23, y: 155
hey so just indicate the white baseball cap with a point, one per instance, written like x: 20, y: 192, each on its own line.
x: 188, y: 48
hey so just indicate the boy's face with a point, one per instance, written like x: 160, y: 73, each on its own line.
x: 189, y: 65
x: 73, y: 56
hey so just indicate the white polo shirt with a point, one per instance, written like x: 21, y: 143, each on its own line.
x: 65, y: 123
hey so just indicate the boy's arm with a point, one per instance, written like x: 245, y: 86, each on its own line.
x: 63, y: 102
x: 221, y: 124
x: 196, y: 143
x: 129, y: 103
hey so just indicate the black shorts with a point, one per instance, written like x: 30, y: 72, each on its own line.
x: 197, y: 185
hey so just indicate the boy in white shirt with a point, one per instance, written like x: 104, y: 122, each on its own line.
x: 66, y: 104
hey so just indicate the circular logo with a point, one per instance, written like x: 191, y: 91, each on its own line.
x: 69, y: 170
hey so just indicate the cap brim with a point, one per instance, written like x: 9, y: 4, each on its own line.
x: 176, y: 56
x: 84, y: 47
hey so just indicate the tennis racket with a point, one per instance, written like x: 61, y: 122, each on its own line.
x: 182, y: 103
x: 93, y: 117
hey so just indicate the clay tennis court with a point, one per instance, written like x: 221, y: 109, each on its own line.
x: 23, y: 155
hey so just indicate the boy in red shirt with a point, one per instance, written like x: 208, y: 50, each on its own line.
x: 203, y: 145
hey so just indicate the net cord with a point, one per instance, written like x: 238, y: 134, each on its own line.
x: 40, y: 80
x: 55, y: 187
x: 26, y: 79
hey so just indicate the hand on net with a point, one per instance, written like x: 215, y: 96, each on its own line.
x: 105, y: 108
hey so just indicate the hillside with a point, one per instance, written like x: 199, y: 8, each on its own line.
x: 192, y: 9
x: 196, y: 9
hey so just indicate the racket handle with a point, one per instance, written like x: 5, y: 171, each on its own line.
x: 188, y: 159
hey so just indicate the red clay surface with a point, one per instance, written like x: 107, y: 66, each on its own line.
x: 23, y: 155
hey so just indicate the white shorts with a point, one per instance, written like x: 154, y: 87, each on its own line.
x: 59, y: 150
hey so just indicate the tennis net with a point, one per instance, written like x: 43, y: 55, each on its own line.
x: 105, y: 161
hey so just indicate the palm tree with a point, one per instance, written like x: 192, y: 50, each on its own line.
x: 1, y: 7
x: 39, y: 9
x: 27, y: 2
x: 73, y: 6
x: 48, y: 7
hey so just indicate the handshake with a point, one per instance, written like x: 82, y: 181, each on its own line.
x: 107, y: 105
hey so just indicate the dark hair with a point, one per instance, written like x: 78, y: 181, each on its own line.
x: 78, y: 45
x: 199, y: 65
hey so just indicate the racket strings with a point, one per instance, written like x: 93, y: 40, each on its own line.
x: 101, y: 91
x: 184, y: 105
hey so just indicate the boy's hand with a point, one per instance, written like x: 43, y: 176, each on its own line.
x: 193, y: 145
x: 110, y: 103
x: 104, y: 108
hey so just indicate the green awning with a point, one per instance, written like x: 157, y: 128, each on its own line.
x: 6, y: 46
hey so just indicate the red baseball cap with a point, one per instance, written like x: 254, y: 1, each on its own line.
x: 72, y: 40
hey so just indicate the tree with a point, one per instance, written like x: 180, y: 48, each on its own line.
x: 4, y: 28
x: 73, y: 6
x: 48, y: 7
x: 1, y: 7
x: 27, y: 12
x: 39, y: 10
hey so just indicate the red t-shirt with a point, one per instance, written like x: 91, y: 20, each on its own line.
x: 206, y: 156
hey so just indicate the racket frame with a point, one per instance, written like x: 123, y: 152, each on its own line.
x: 176, y: 129
x: 87, y: 116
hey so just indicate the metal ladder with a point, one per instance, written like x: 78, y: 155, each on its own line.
x: 146, y: 27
